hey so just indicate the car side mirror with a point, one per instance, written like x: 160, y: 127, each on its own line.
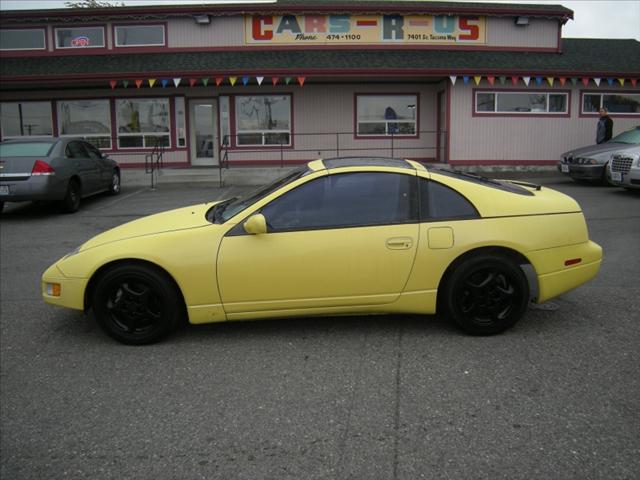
x: 255, y: 224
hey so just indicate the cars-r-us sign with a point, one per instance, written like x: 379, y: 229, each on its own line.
x: 364, y: 29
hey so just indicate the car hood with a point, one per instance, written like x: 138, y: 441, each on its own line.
x: 602, y: 151
x: 169, y: 221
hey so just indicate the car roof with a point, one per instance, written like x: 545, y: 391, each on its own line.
x: 342, y: 162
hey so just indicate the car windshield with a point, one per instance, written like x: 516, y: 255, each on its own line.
x: 25, y: 149
x: 631, y: 137
x: 223, y: 211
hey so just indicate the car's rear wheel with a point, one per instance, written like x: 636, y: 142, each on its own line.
x: 136, y: 304
x: 114, y: 187
x: 486, y: 294
x: 71, y: 201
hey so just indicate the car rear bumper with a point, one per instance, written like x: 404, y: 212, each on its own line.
x: 36, y: 187
x: 562, y: 269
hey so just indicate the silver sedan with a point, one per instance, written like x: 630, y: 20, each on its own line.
x: 55, y: 169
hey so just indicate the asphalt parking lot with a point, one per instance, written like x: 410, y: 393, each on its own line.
x: 397, y: 397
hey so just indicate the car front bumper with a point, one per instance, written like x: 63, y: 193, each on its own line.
x: 34, y: 188
x: 581, y: 172
x: 57, y: 289
x: 631, y: 179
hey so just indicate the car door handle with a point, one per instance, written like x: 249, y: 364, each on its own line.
x: 399, y: 243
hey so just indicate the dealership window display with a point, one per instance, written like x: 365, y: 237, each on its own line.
x: 143, y: 123
x: 382, y: 115
x: 89, y: 119
x: 22, y: 39
x: 26, y: 119
x: 139, y: 35
x: 618, y: 103
x: 263, y: 120
x: 521, y: 102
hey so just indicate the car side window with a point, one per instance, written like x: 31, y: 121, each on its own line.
x: 92, y: 151
x: 76, y: 150
x: 345, y: 200
x: 439, y: 202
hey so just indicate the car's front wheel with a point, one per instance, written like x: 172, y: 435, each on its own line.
x: 136, y: 304
x: 486, y: 294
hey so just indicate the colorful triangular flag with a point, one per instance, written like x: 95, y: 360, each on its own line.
x: 219, y: 81
x: 125, y: 83
x: 152, y: 82
x: 563, y: 80
x: 274, y: 80
x: 113, y: 84
x: 550, y: 81
x: 192, y: 82
x: 526, y: 80
x: 259, y: 80
x: 477, y: 79
x: 287, y: 80
x: 585, y: 81
x: 205, y: 81
x: 538, y: 80
x: 610, y: 81
x: 301, y: 80
x: 245, y: 80
x: 164, y: 82
x: 503, y: 80
x: 621, y: 81
x: 176, y: 81
x: 453, y: 79
x: 597, y: 81
x: 574, y: 81
x: 491, y: 80
x: 233, y: 80
x: 465, y: 79
x: 514, y: 80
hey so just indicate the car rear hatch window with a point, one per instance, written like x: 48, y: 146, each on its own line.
x: 26, y: 149
x: 504, y: 185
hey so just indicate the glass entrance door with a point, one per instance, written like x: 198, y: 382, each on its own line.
x: 204, y: 132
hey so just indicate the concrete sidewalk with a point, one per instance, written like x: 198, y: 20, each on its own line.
x: 242, y: 176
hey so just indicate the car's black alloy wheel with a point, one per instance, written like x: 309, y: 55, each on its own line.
x: 136, y: 304
x: 71, y: 201
x: 487, y: 294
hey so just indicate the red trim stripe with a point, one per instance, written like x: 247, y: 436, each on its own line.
x: 367, y: 23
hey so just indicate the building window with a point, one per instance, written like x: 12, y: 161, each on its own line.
x: 181, y: 131
x: 26, y: 119
x: 522, y: 102
x: 263, y: 120
x: 381, y: 115
x: 28, y: 39
x: 143, y: 123
x: 139, y: 35
x: 80, y: 37
x: 89, y: 119
x: 618, y: 103
x: 225, y: 121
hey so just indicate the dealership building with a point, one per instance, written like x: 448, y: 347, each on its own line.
x: 284, y: 82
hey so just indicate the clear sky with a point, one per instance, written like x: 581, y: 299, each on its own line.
x: 592, y: 18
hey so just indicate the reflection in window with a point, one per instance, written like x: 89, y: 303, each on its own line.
x: 345, y: 200
x: 89, y: 119
x: 263, y: 120
x: 387, y: 114
x: 618, y: 103
x: 80, y: 37
x: 143, y: 123
x: 26, y: 119
x: 521, y: 102
x: 181, y: 131
x: 16, y: 39
x: 139, y: 35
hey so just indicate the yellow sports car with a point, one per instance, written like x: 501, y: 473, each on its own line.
x: 338, y: 236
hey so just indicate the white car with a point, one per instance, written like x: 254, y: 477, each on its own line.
x: 624, y: 168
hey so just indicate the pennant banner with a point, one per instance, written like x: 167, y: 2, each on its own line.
x: 465, y: 79
x: 477, y: 79
x: 233, y: 80
x: 259, y: 80
x: 152, y: 82
x: 514, y: 80
x: 138, y: 83
x: 503, y: 80
x: 125, y: 83
x: 597, y: 80
x: 301, y: 80
x: 164, y: 82
x: 219, y: 81
x: 205, y: 81
x: 563, y: 80
x: 176, y: 82
x: 585, y: 81
x: 113, y: 84
x: 526, y: 80
x: 550, y: 81
x: 245, y: 81
x: 453, y: 79
x: 491, y: 80
x: 274, y: 80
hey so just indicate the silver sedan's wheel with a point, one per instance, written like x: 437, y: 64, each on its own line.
x: 71, y: 201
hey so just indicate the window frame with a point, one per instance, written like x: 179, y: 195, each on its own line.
x: 234, y: 124
x: 119, y: 135
x: 104, y: 45
x: 497, y: 91
x: 51, y: 118
x: 602, y: 93
x: 44, y: 37
x: 359, y: 136
x: 86, y: 137
x: 114, y: 30
x: 414, y: 202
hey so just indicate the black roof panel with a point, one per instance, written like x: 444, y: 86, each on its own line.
x: 366, y: 162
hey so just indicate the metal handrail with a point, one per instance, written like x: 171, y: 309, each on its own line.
x: 393, y: 140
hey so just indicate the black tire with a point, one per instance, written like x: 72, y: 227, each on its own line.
x: 486, y: 294
x: 71, y: 201
x: 114, y: 186
x: 136, y: 304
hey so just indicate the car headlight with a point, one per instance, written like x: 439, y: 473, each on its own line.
x: 588, y: 161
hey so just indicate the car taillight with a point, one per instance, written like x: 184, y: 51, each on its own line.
x: 42, y: 168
